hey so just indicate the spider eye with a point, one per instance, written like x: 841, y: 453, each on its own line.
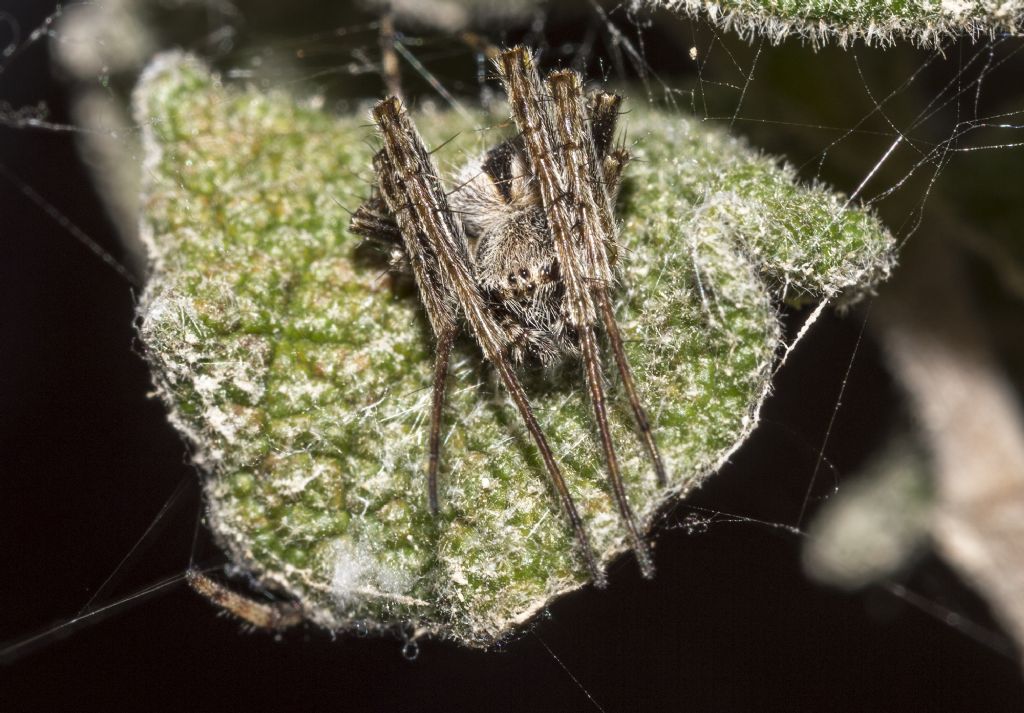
x: 524, y: 273
x: 512, y: 278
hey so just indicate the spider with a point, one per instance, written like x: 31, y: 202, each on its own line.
x: 522, y: 252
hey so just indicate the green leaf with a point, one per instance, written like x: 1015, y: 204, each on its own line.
x: 927, y: 23
x: 299, y: 370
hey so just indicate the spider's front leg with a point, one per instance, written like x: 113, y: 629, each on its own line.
x: 600, y: 191
x: 438, y: 300
x: 568, y: 188
x: 374, y: 222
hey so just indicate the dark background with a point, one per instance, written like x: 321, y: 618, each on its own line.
x: 730, y: 623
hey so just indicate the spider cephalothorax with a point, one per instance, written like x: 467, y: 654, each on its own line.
x: 516, y: 261
x: 521, y: 251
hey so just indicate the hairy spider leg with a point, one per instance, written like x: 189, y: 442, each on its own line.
x: 596, y: 229
x: 562, y: 179
x: 606, y: 168
x: 414, y: 194
x: 389, y: 68
x: 587, y: 188
x: 373, y: 222
x: 439, y: 301
x: 274, y: 616
x: 441, y: 359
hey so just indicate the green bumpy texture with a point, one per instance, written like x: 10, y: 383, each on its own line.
x: 926, y: 23
x: 299, y: 369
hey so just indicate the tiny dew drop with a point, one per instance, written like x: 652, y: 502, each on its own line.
x: 696, y: 524
x: 410, y: 650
